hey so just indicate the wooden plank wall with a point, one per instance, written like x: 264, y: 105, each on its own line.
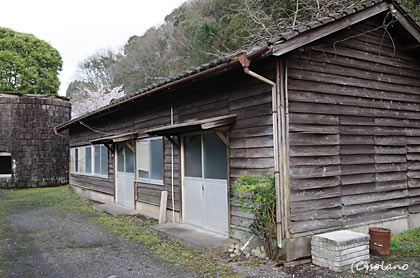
x: 98, y: 184
x: 251, y: 135
x: 81, y: 136
x: 354, y: 105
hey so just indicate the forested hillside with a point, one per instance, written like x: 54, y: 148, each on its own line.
x: 195, y: 33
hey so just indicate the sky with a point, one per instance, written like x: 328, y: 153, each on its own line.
x: 79, y: 28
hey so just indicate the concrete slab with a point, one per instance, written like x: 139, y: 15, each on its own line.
x: 195, y: 237
x: 323, y: 251
x: 338, y: 248
x: 340, y: 238
x: 116, y: 209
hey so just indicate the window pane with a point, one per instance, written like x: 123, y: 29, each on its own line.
x: 144, y: 174
x: 82, y: 159
x: 88, y: 160
x: 120, y: 157
x: 129, y: 160
x: 143, y: 159
x: 5, y: 164
x: 97, y: 159
x: 104, y: 160
x: 156, y: 149
x: 192, y: 151
x: 214, y: 157
x: 71, y: 160
x: 76, y: 160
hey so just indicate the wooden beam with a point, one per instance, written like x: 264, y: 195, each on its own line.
x: 173, y: 142
x: 130, y: 146
x: 223, y: 138
x: 327, y: 29
x: 110, y: 147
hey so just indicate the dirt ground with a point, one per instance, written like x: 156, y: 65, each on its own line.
x: 44, y: 242
x: 54, y: 233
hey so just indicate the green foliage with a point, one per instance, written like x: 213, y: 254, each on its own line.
x: 78, y: 86
x: 257, y: 195
x: 201, y: 30
x: 28, y: 64
x: 414, y: 7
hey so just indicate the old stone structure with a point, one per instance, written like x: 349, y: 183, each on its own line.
x: 31, y: 155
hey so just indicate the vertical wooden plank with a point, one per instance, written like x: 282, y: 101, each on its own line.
x: 181, y: 182
x: 228, y: 182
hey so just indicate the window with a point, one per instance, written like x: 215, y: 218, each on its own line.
x: 5, y: 164
x: 125, y: 158
x: 150, y: 160
x: 204, y: 156
x: 89, y: 160
x: 101, y: 160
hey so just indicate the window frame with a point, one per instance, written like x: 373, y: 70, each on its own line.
x: 80, y: 161
x: 150, y: 180
x: 6, y: 154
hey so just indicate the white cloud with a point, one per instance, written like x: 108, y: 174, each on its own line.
x: 79, y: 28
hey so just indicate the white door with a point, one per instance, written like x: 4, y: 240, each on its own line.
x: 125, y: 175
x: 205, y: 202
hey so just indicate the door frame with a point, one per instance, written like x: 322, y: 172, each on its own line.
x: 182, y: 171
x: 116, y: 157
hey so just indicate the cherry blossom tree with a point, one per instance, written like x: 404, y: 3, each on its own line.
x: 88, y: 99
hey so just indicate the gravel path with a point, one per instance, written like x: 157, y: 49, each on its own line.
x: 44, y: 242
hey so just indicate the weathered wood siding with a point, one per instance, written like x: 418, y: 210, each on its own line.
x: 354, y: 103
x: 81, y: 136
x: 251, y: 136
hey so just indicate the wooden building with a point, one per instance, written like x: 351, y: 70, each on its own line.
x: 334, y: 112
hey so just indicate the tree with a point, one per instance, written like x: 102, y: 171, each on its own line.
x: 97, y: 69
x: 90, y: 99
x: 201, y: 30
x: 28, y: 64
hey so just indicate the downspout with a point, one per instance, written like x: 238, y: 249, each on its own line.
x: 245, y: 62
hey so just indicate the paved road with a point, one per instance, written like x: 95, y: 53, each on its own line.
x: 46, y: 242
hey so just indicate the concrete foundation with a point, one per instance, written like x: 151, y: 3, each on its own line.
x: 94, y: 196
x: 142, y: 208
x: 300, y: 247
x: 396, y: 226
x: 154, y: 211
x: 296, y: 248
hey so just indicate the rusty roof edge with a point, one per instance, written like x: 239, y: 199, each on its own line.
x: 263, y: 51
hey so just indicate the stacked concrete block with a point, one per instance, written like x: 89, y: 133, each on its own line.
x: 339, y: 250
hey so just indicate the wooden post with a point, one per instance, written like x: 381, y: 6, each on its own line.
x: 163, y: 204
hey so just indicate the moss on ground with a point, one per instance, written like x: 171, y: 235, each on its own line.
x: 132, y: 228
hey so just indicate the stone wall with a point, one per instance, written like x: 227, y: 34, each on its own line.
x: 39, y: 157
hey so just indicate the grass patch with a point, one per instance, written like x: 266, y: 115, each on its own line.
x: 132, y: 228
x: 406, y: 245
x: 3, y: 232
